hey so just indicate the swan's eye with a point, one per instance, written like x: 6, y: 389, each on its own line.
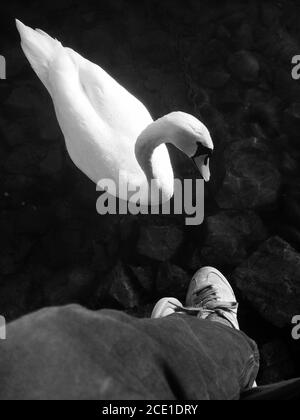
x: 203, y: 151
x: 206, y: 159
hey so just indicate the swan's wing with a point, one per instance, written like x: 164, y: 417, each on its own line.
x: 119, y: 109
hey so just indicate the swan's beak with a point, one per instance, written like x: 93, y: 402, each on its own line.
x: 202, y: 164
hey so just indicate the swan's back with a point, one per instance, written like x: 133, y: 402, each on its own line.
x: 113, y: 103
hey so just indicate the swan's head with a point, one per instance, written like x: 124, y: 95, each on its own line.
x: 192, y: 137
x: 184, y: 131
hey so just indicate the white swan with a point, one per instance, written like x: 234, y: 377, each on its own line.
x: 109, y: 132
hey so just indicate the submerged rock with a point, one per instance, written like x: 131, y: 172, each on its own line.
x: 292, y: 120
x: 215, y: 79
x: 244, y: 66
x: 244, y: 36
x: 160, y: 242
x: 69, y: 286
x: 269, y: 279
x: 252, y: 179
x: 122, y: 288
x: 291, y: 234
x: 291, y: 204
x: 194, y: 261
x: 144, y: 276
x: 172, y: 281
x: 276, y: 363
x: 230, y: 235
x: 53, y: 163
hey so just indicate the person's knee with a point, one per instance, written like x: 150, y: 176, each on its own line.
x: 48, y: 321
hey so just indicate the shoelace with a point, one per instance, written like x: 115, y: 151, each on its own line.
x: 208, y: 304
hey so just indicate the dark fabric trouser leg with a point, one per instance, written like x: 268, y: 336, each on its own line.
x: 73, y: 353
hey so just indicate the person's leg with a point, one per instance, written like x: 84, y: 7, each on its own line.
x: 73, y: 353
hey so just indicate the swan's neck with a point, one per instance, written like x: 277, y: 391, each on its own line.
x: 150, y: 139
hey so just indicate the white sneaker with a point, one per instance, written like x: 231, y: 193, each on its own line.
x: 166, y: 307
x: 212, y: 296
